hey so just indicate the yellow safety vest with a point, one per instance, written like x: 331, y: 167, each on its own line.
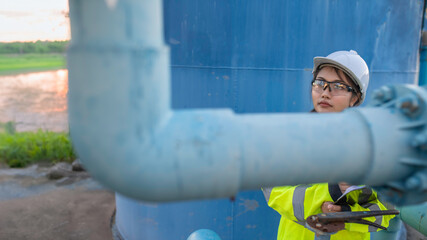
x: 296, y: 203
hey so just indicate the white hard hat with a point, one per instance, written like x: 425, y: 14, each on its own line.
x: 352, y: 64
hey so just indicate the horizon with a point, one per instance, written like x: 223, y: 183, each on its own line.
x: 34, y: 41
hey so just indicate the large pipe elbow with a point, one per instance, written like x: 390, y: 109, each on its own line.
x: 188, y: 156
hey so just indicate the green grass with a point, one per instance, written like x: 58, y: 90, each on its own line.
x: 18, y: 149
x: 32, y: 62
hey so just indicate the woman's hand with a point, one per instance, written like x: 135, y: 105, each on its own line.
x: 329, y: 207
x: 343, y: 186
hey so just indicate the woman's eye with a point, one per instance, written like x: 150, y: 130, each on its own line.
x: 319, y: 83
x: 339, y: 86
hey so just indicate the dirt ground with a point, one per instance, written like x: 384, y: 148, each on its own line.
x: 34, y: 207
x: 59, y: 214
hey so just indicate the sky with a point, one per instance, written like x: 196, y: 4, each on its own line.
x: 32, y: 20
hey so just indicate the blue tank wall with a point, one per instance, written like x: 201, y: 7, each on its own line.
x: 256, y: 56
x: 245, y: 217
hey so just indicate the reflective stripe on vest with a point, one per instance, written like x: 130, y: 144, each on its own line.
x: 298, y: 202
x: 378, y: 219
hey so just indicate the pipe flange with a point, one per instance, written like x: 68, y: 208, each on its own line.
x: 411, y: 102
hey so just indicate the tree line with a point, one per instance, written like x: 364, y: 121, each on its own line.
x: 33, y: 47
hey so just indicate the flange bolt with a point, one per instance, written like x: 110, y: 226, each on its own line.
x: 408, y: 105
x: 383, y: 94
x: 420, y: 140
x: 413, y: 183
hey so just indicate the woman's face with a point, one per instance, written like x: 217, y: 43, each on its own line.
x: 323, y: 101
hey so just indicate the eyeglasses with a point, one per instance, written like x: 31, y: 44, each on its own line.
x: 335, y: 88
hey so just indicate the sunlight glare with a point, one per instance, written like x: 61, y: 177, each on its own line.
x: 28, y: 20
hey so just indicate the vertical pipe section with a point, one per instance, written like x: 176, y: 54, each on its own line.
x: 119, y: 63
x: 119, y: 78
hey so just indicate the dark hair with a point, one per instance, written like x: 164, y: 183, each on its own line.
x: 357, y: 94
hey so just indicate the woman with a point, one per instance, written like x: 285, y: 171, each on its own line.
x: 339, y: 81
